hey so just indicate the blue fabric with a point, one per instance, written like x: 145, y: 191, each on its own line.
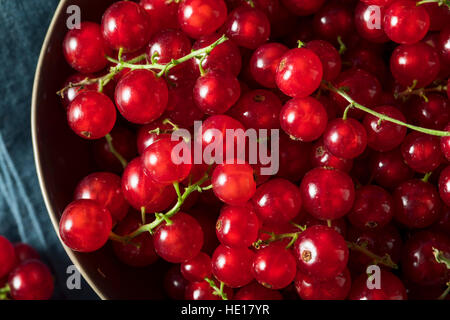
x: 23, y: 216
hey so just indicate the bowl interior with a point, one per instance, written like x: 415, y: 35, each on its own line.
x: 63, y: 159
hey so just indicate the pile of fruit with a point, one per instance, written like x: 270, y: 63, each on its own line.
x: 22, y: 275
x: 359, y: 91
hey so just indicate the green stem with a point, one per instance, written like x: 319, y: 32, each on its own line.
x: 161, y: 218
x: 342, y: 46
x: 143, y: 215
x: 300, y: 44
x: 427, y: 176
x: 113, y: 150
x: 385, y: 260
x: 217, y: 291
x: 445, y: 293
x: 439, y: 2
x: 347, y: 109
x: 421, y: 92
x: 4, y: 292
x: 441, y: 258
x: 383, y: 117
x: 277, y: 237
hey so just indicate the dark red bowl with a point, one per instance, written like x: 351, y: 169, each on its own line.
x: 62, y: 159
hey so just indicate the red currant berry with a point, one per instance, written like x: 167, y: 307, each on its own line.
x: 370, y: 60
x: 332, y: 21
x: 439, y: 15
x: 258, y: 109
x: 444, y: 46
x: 389, y: 169
x: 197, y: 268
x: 126, y: 25
x: 106, y: 189
x: 91, y: 115
x: 321, y: 252
x: 303, y: 7
x: 181, y: 108
x: 31, y: 280
x: 310, y: 288
x: 84, y: 48
x: 434, y: 113
x: 321, y: 157
x: 299, y: 73
x: 419, y: 264
x: 203, y: 291
x: 233, y: 266
x: 416, y: 63
x: 365, y: 22
x: 255, y: 291
x: 329, y: 56
x: 327, y: 193
x: 248, y: 27
x: 237, y: 226
x: 293, y: 163
x: 417, y: 204
x: 225, y: 57
x: 140, y: 252
x: 234, y: 184
x: 345, y: 138
x: 141, y: 191
x: 444, y: 185
x: 85, y: 226
x: 404, y: 22
x: 274, y: 266
x: 373, y: 208
x: 175, y: 284
x: 216, y: 91
x: 199, y: 18
x: 163, y: 14
x: 362, y: 86
x: 421, y: 152
x: 135, y: 102
x: 148, y: 134
x: 445, y: 142
x: 264, y: 63
x: 179, y: 241
x: 304, y: 119
x: 277, y: 201
x: 384, y: 135
x: 7, y: 256
x: 164, y: 164
x: 24, y: 252
x: 391, y: 288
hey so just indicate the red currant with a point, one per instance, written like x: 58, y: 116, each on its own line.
x: 389, y: 169
x: 163, y: 14
x: 197, y: 268
x: 255, y: 291
x: 303, y: 7
x: 391, y: 288
x: 264, y: 63
x: 365, y: 18
x: 175, y: 284
x: 321, y: 157
x: 25, y: 252
x: 434, y: 113
x: 421, y: 152
x: 444, y: 185
x: 329, y: 56
x: 310, y: 288
x: 31, y: 280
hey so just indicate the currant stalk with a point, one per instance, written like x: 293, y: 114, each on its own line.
x: 113, y: 150
x: 384, y: 260
x: 439, y: 2
x: 277, y: 237
x: 161, y: 217
x: 380, y: 116
x: 4, y: 292
x: 218, y: 291
x: 421, y: 92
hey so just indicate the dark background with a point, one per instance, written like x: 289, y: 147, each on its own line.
x: 23, y: 216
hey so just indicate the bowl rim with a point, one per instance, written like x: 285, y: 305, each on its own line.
x: 36, y: 152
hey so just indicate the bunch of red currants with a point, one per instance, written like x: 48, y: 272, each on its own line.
x: 22, y: 275
x: 360, y: 92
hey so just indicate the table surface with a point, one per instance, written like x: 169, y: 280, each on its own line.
x: 23, y: 216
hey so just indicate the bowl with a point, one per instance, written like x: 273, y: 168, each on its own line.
x: 62, y: 159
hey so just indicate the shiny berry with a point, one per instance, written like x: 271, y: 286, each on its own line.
x: 264, y: 63
x: 444, y: 185
x: 163, y: 14
x: 303, y: 7
x: 332, y: 21
x: 404, y: 22
x: 311, y: 288
x: 277, y: 201
x: 366, y: 18
x: 389, y: 169
x: 85, y: 226
x: 175, y: 284
x: 125, y: 24
x: 25, y: 252
x: 329, y: 56
x: 421, y: 152
x: 321, y: 252
x: 135, y: 102
x: 391, y: 288
x: 233, y: 266
x: 180, y: 241
x: 106, y: 189
x: 91, y: 115
x: 237, y: 226
x: 233, y: 183
x: 321, y: 157
x: 84, y: 48
x: 197, y: 268
x: 293, y: 163
x: 327, y: 193
x: 445, y: 142
x: 345, y: 138
x: 304, y: 119
x: 299, y: 73
x: 199, y: 18
x: 373, y: 208
x: 417, y: 204
x: 167, y: 161
x: 202, y: 290
x: 216, y: 91
x: 255, y: 291
x: 31, y: 280
x: 434, y: 113
x: 248, y: 27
